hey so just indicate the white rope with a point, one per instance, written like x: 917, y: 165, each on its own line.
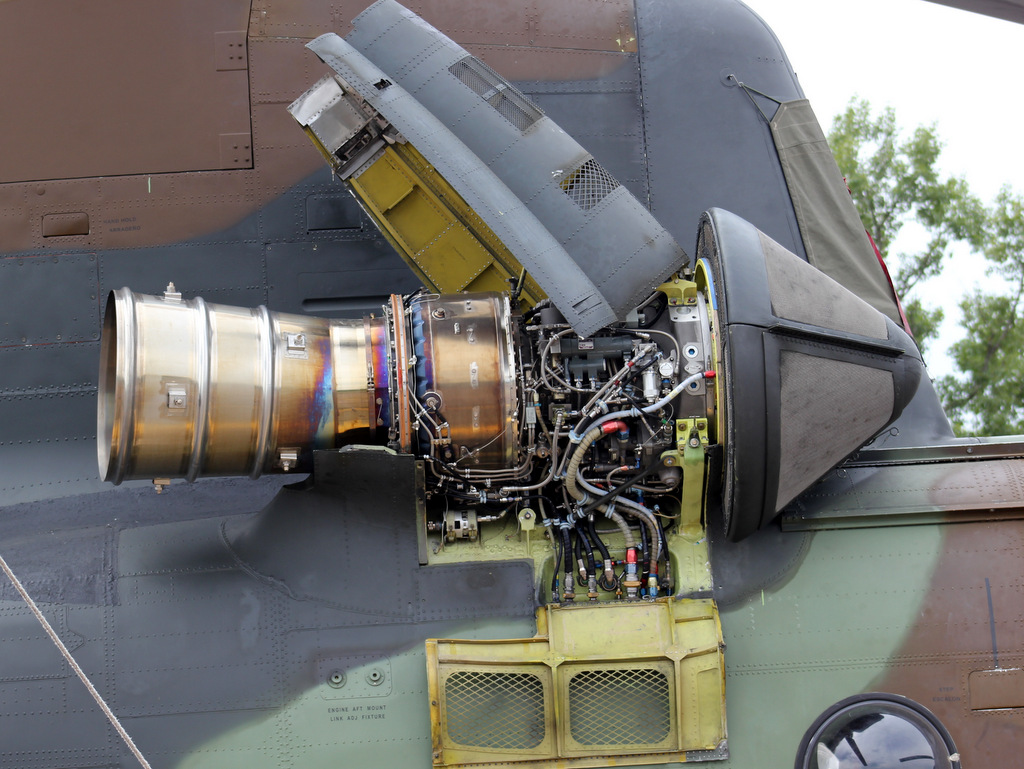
x: 74, y: 665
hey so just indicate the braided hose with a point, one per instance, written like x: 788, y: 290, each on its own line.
x: 572, y: 480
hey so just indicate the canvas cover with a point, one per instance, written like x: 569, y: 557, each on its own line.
x: 834, y: 238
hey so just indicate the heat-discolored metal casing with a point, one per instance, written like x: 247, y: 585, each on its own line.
x: 465, y: 376
x: 190, y: 389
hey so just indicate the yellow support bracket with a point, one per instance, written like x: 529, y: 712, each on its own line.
x: 679, y: 291
x: 691, y: 442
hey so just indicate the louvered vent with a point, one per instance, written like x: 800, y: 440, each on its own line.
x: 588, y: 185
x: 510, y: 103
x: 501, y: 711
x: 619, y: 707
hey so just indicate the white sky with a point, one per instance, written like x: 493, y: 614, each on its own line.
x: 932, y: 64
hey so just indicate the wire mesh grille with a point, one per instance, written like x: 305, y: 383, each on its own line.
x: 619, y: 707
x: 472, y: 72
x: 588, y: 185
x: 510, y: 103
x: 707, y: 247
x: 495, y: 710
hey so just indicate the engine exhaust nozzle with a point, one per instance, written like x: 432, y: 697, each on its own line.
x: 190, y: 389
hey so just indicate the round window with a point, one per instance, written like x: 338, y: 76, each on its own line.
x: 877, y: 731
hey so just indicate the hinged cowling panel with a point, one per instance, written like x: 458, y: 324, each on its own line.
x: 600, y: 685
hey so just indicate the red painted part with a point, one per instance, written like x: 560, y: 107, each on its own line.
x: 899, y: 304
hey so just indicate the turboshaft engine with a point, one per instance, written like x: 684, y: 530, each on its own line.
x: 191, y: 389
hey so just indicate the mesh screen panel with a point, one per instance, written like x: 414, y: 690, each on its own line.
x: 619, y: 707
x: 472, y: 73
x: 707, y: 247
x: 518, y: 111
x: 495, y: 710
x: 588, y: 185
x: 510, y: 103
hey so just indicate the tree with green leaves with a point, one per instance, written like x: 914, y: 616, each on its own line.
x: 987, y: 397
x: 895, y: 181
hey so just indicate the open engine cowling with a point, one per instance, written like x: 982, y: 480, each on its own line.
x: 496, y: 400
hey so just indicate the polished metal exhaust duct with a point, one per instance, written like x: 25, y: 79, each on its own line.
x: 190, y: 389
